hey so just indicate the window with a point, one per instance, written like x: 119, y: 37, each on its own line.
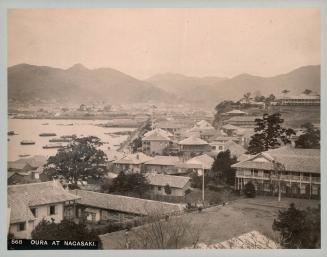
x: 21, y: 226
x: 34, y: 211
x: 159, y: 188
x: 52, y: 210
x: 220, y: 147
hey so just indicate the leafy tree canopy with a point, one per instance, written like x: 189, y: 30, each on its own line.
x: 80, y: 159
x: 221, y: 167
x: 310, y: 139
x: 130, y: 183
x: 249, y: 189
x: 65, y: 230
x: 269, y: 134
x: 299, y: 228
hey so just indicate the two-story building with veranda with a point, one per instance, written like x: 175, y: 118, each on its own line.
x: 193, y: 146
x: 297, y: 171
x: 30, y: 203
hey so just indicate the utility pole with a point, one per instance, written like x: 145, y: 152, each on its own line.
x: 202, y: 184
x: 279, y: 167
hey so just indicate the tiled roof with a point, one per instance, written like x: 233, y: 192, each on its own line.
x: 172, y: 181
x: 114, y: 155
x: 137, y: 158
x: 298, y: 160
x: 156, y: 137
x: 193, y: 141
x: 243, y: 118
x: 203, y: 160
x: 234, y: 148
x: 226, y: 138
x: 34, y: 161
x: 160, y: 131
x: 163, y: 160
x: 125, y: 204
x: 22, y: 197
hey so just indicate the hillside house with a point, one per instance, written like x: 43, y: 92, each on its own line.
x: 298, y: 172
x: 242, y: 121
x: 162, y: 165
x: 301, y: 100
x: 177, y: 184
x: 132, y: 163
x: 193, y: 146
x: 155, y: 142
x: 30, y: 203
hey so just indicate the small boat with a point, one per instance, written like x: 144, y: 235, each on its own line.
x: 45, y: 124
x: 47, y: 134
x: 24, y: 155
x: 27, y: 142
x: 52, y: 146
x: 69, y: 136
x: 11, y: 133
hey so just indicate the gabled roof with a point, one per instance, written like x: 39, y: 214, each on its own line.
x: 203, y: 124
x: 234, y: 148
x: 125, y: 204
x: 172, y: 181
x: 163, y: 160
x: 114, y: 155
x: 226, y: 138
x: 136, y: 158
x: 158, y: 130
x: 156, y: 136
x: 297, y: 160
x: 203, y: 160
x: 193, y: 141
x: 22, y: 197
x: 34, y: 161
x: 14, y: 165
x: 243, y: 118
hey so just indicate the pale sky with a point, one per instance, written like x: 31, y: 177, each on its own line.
x: 145, y: 42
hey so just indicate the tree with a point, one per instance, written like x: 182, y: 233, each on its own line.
x: 270, y: 98
x: 247, y: 97
x: 269, y: 134
x: 79, y: 160
x: 65, y: 230
x: 299, y: 228
x: 167, y: 189
x: 163, y: 232
x: 222, y: 107
x: 249, y: 190
x: 307, y: 92
x: 285, y: 91
x: 310, y: 139
x: 221, y: 167
x: 130, y: 183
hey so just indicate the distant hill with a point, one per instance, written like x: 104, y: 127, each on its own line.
x: 216, y: 89
x: 78, y: 84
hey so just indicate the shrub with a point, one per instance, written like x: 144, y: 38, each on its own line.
x: 249, y: 190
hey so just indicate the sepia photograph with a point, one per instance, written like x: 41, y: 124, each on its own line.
x: 163, y: 128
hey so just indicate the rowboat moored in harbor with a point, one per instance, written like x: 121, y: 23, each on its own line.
x: 47, y: 134
x: 27, y: 142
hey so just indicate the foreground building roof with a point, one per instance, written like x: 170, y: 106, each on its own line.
x: 125, y: 204
x: 22, y: 197
x: 250, y: 240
